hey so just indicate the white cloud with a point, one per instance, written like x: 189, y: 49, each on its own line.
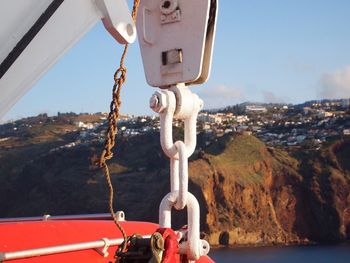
x: 300, y: 66
x: 335, y: 85
x: 270, y: 97
x: 221, y: 96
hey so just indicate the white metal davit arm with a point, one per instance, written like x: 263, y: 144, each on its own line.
x: 34, y: 34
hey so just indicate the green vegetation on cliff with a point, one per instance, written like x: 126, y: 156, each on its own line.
x: 249, y: 194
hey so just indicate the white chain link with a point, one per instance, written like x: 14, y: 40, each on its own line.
x: 181, y: 103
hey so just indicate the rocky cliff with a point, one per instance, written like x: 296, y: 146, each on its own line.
x: 249, y: 194
x: 256, y: 195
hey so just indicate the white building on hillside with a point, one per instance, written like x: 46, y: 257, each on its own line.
x: 255, y: 108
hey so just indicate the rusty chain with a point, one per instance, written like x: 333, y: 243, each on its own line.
x: 113, y: 116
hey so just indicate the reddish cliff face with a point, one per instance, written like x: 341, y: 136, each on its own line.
x: 249, y: 194
x: 255, y: 195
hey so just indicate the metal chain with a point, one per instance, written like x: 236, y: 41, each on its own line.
x: 113, y: 116
x: 186, y: 104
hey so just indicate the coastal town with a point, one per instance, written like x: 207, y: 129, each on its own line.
x: 307, y: 125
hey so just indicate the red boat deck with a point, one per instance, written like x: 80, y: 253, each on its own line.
x: 17, y: 236
x: 31, y: 235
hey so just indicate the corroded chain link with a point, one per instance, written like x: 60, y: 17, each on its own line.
x: 107, y: 154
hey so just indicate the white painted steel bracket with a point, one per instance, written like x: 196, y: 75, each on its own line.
x: 104, y: 250
x: 176, y: 39
x: 66, y: 22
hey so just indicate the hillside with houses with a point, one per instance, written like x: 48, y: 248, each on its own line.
x: 263, y: 173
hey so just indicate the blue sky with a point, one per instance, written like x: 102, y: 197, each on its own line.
x: 268, y: 51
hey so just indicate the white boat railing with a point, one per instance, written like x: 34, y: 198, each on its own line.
x: 101, y: 246
x: 103, y: 216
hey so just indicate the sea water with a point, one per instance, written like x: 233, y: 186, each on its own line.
x: 292, y: 254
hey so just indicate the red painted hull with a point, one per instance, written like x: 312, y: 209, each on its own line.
x: 30, y: 235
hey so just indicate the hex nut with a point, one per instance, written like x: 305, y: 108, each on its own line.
x: 153, y: 101
x: 158, y: 101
